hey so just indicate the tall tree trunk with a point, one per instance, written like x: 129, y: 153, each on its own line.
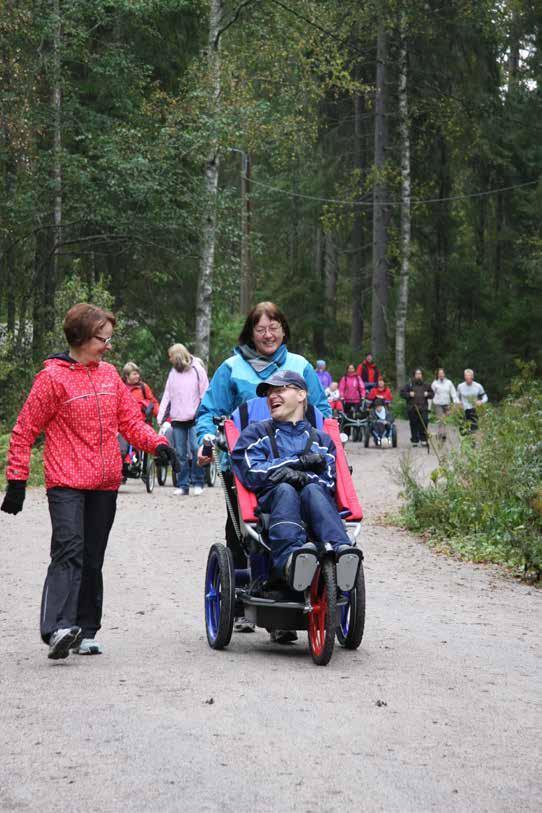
x: 357, y: 236
x: 9, y: 175
x: 204, y: 302
x: 246, y: 224
x: 402, y: 299
x: 379, y: 305
x: 319, y: 304
x: 331, y: 273
x: 53, y: 279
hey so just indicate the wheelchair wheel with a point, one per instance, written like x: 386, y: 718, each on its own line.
x: 352, y: 623
x: 394, y: 437
x: 366, y: 437
x: 150, y: 474
x: 323, y: 618
x: 210, y: 474
x: 161, y: 474
x: 219, y: 596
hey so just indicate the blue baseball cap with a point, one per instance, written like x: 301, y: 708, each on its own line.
x: 284, y: 378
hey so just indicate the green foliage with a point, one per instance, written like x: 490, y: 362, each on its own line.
x: 485, y: 499
x: 36, y: 461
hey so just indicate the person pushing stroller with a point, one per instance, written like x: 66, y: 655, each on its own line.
x: 291, y: 468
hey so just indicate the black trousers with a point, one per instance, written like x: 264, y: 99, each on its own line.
x: 73, y: 589
x: 418, y: 424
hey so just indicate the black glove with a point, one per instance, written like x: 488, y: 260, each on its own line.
x: 15, y: 494
x: 311, y: 462
x: 297, y: 479
x: 166, y: 455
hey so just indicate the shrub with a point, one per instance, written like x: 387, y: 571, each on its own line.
x: 485, y: 499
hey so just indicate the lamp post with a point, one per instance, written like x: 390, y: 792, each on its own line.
x: 245, y: 292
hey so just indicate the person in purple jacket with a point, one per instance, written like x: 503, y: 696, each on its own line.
x: 186, y: 385
x: 324, y: 376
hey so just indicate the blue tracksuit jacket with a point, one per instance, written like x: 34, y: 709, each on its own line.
x: 235, y: 382
x: 253, y: 459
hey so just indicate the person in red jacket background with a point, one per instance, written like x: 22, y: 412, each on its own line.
x: 81, y: 403
x: 368, y: 372
x: 380, y: 391
x: 141, y: 392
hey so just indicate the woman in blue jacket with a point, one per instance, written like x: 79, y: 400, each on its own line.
x: 262, y: 351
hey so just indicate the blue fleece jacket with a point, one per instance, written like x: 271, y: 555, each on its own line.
x: 253, y: 459
x: 235, y: 382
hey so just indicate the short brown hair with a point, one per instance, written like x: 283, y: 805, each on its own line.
x: 268, y: 309
x: 83, y: 321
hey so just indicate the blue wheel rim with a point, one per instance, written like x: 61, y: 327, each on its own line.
x: 213, y: 596
x: 345, y: 615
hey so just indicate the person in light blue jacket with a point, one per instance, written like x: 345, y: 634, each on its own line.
x: 261, y: 352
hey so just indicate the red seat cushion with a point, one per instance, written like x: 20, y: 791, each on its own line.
x: 246, y: 499
x: 346, y: 496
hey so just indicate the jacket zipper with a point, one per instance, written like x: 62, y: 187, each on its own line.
x: 100, y: 422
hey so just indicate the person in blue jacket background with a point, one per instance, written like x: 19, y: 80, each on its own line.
x: 261, y: 352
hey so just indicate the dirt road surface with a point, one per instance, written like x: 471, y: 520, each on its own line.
x: 437, y: 711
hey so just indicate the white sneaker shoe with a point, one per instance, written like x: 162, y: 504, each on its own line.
x: 88, y: 646
x: 198, y: 491
x: 181, y: 492
x: 61, y: 642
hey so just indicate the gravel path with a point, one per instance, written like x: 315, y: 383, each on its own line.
x: 437, y: 711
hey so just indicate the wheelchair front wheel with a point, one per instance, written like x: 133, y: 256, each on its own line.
x: 323, y: 617
x: 150, y: 474
x: 210, y: 474
x: 352, y: 623
x: 161, y: 474
x: 219, y: 596
x: 394, y: 436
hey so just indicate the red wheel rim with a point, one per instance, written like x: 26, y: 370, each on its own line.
x: 317, y: 618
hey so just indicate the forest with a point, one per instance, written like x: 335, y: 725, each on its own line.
x: 373, y: 166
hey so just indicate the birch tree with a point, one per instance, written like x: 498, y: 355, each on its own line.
x: 404, y: 135
x: 204, y: 302
x: 379, y: 305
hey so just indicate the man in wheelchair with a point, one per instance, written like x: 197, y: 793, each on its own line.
x: 291, y: 468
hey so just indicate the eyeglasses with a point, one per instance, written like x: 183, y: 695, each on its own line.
x: 283, y: 387
x: 274, y: 330
x: 106, y: 341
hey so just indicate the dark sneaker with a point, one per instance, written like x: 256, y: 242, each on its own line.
x: 242, y: 624
x: 87, y: 646
x: 61, y: 641
x: 414, y: 442
x: 283, y: 636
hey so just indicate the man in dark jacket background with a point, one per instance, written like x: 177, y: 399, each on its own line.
x: 417, y: 394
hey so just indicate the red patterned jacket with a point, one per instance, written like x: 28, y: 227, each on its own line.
x: 81, y: 408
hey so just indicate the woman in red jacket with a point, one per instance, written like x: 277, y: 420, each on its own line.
x: 81, y: 403
x: 381, y: 391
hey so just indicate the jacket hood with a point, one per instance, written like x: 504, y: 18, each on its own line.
x: 65, y: 360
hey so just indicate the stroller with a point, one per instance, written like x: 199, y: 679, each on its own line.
x: 381, y: 425
x: 324, y: 610
x: 355, y: 422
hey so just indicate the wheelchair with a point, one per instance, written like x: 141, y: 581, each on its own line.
x: 324, y: 610
x: 390, y: 439
x: 140, y: 466
x: 355, y: 422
